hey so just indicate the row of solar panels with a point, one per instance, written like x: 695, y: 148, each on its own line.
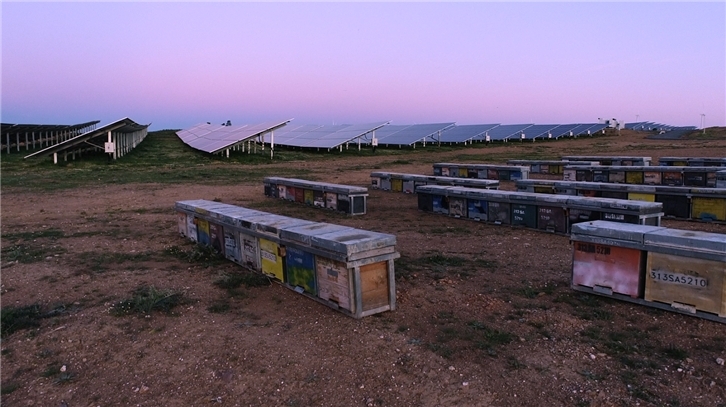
x: 214, y: 138
x: 652, y: 126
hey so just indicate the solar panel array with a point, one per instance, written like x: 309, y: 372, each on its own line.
x: 213, y: 138
x: 465, y: 133
x: 328, y: 137
x: 406, y: 135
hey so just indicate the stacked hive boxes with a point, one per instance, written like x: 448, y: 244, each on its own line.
x: 553, y: 213
x: 484, y: 171
x: 348, y: 269
x: 707, y: 204
x: 343, y: 198
x: 407, y: 183
x: 656, y: 266
x: 704, y: 177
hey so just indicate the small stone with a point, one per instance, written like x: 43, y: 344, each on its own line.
x: 63, y: 368
x: 465, y: 384
x: 719, y: 361
x: 679, y: 370
x: 452, y: 368
x: 593, y: 357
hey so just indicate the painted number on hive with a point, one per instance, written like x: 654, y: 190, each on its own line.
x: 593, y: 248
x: 677, y: 278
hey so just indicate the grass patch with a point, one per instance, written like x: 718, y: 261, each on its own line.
x: 29, y: 253
x: 219, y: 307
x: 46, y: 233
x: 14, y: 319
x: 236, y: 280
x: 200, y: 254
x: 100, y: 261
x: 8, y: 387
x: 148, y: 299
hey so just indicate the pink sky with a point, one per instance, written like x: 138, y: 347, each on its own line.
x: 178, y: 64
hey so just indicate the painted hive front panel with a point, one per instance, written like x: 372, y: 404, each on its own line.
x: 216, y: 236
x: 308, y: 196
x: 203, y: 232
x: 709, y: 208
x: 250, y: 251
x: 524, y: 215
x: 192, y: 228
x: 477, y: 209
x: 638, y: 196
x: 616, y: 268
x: 694, y: 282
x: 457, y: 207
x: 374, y: 285
x: 552, y: 219
x: 301, y: 269
x: 232, y: 249
x: 331, y: 200
x: 499, y: 212
x: 182, y: 227
x: 271, y: 259
x: 319, y: 198
x: 334, y: 282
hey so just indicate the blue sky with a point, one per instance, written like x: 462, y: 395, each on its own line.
x: 175, y: 64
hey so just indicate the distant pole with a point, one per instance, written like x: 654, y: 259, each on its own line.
x: 703, y: 122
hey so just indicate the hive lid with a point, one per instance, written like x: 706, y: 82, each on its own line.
x: 352, y: 240
x: 641, y: 207
x: 613, y: 230
x: 303, y: 234
x: 687, y: 239
x: 273, y: 224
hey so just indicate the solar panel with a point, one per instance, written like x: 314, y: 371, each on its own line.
x: 98, y: 136
x: 464, y: 133
x: 562, y: 130
x: 505, y: 131
x: 411, y: 134
x: 305, y: 138
x: 538, y: 131
x: 290, y: 132
x: 583, y: 129
x: 345, y: 135
x: 212, y: 138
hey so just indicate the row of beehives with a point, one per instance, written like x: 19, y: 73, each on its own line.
x: 553, y: 167
x: 705, y: 177
x: 552, y: 213
x: 407, y: 183
x: 707, y: 204
x: 483, y: 171
x: 667, y: 268
x: 348, y: 269
x: 348, y: 199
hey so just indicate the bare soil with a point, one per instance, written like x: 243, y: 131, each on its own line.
x: 493, y: 322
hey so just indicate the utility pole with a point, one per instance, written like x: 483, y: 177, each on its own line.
x: 703, y: 122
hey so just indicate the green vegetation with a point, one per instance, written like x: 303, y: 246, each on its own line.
x: 454, y: 337
x: 100, y: 261
x: 29, y: 253
x: 147, y: 299
x: 8, y: 388
x: 161, y: 158
x: 203, y: 255
x: 16, y: 318
x: 248, y: 279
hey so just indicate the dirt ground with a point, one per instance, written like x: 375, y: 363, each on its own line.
x: 494, y: 323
